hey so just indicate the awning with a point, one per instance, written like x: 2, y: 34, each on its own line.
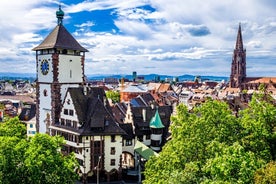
x: 144, y: 150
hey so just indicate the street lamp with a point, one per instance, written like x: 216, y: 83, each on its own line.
x: 98, y: 169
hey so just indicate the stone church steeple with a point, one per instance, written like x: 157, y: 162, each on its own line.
x: 238, y: 69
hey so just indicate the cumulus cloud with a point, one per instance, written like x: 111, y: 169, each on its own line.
x: 166, y: 37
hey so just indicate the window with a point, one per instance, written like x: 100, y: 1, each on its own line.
x: 65, y: 111
x: 112, y: 151
x: 112, y: 162
x: 75, y: 124
x: 140, y: 138
x: 155, y: 143
x: 68, y: 122
x: 31, y: 125
x: 62, y: 121
x: 45, y: 93
x: 128, y: 142
x: 113, y: 138
x: 80, y: 162
x: 71, y: 112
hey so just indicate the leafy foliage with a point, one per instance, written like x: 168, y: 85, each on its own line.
x: 34, y: 160
x: 267, y: 174
x: 13, y: 127
x: 113, y: 95
x: 211, y: 145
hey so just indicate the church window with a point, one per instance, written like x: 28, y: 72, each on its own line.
x: 70, y: 73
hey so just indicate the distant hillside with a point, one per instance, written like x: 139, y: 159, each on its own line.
x: 152, y: 77
x: 148, y: 77
x: 13, y: 76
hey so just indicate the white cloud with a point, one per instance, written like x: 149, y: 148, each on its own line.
x: 174, y: 37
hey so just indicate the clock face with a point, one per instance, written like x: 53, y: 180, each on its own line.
x: 44, y: 67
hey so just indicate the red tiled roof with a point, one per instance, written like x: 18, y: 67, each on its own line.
x: 261, y: 80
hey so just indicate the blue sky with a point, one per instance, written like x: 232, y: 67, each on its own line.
x: 171, y: 37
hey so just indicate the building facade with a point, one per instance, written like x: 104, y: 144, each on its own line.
x: 66, y: 106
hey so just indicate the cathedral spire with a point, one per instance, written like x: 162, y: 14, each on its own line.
x: 60, y: 15
x: 239, y: 43
x: 238, y: 69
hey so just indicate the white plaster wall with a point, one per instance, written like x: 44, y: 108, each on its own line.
x: 118, y: 147
x: 44, y: 106
x: 70, y: 69
x: 129, y: 149
x: 68, y: 106
x: 156, y: 137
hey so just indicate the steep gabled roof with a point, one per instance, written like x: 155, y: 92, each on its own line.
x: 60, y: 38
x: 94, y: 112
x: 79, y: 100
x: 155, y: 121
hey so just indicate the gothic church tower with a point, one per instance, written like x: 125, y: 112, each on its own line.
x: 60, y: 65
x: 238, y: 69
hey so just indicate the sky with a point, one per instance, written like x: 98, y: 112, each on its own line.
x: 172, y: 37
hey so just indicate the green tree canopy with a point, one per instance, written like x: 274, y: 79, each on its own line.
x: 211, y: 145
x: 34, y: 160
x: 113, y: 95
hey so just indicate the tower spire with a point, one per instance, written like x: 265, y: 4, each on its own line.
x: 239, y: 43
x: 238, y: 69
x: 60, y: 15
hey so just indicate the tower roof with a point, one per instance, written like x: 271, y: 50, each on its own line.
x: 239, y: 43
x: 60, y: 38
x: 156, y: 122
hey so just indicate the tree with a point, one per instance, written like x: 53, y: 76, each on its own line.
x: 267, y: 174
x: 113, y: 95
x: 46, y: 164
x: 211, y: 145
x: 13, y: 127
x: 34, y: 160
x: 12, y: 169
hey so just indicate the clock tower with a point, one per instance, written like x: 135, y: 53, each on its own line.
x: 60, y: 65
